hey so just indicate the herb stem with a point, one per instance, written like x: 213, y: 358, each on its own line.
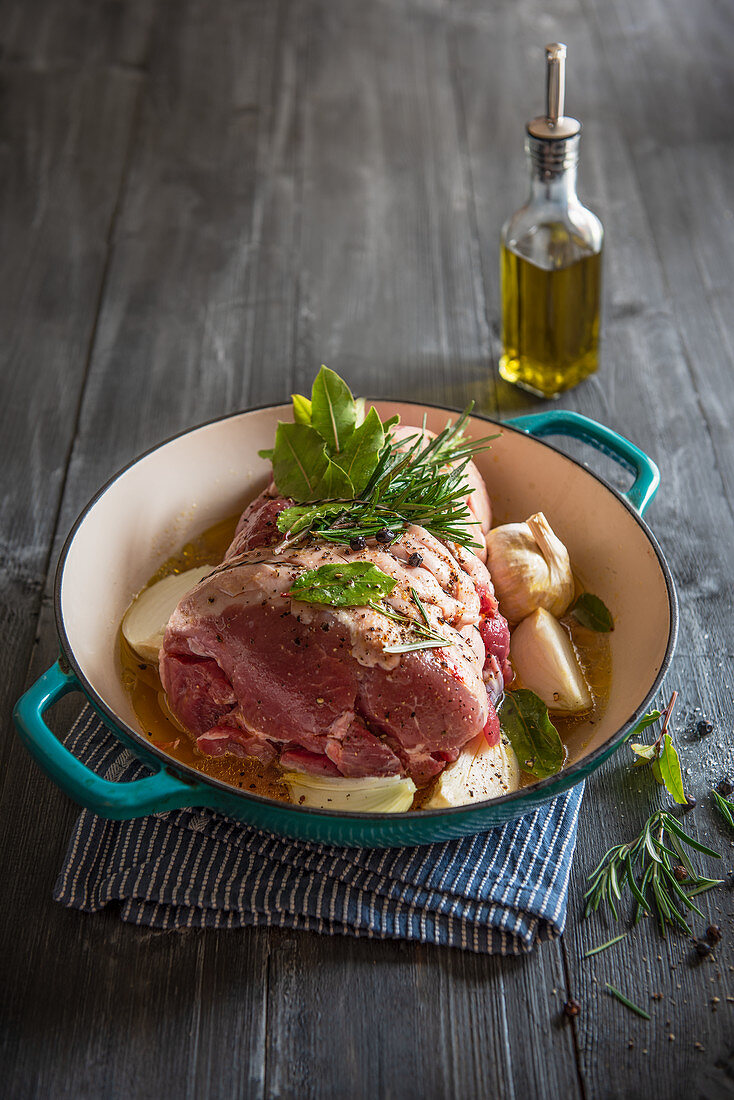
x: 666, y: 718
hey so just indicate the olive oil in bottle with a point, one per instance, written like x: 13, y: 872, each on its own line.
x: 551, y: 260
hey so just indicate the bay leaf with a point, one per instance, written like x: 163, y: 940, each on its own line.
x: 593, y: 613
x: 301, y: 409
x: 670, y: 771
x: 351, y: 584
x: 524, y: 720
x: 333, y: 409
x: 299, y: 461
x: 360, y: 456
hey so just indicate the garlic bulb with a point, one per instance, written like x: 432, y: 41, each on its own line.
x: 544, y: 660
x: 530, y: 568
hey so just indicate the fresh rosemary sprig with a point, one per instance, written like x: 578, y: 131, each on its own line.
x: 645, y: 866
x: 410, y: 485
x: 726, y: 808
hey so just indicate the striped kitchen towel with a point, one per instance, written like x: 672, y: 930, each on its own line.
x: 497, y: 892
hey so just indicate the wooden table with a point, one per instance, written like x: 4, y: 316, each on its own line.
x: 204, y: 200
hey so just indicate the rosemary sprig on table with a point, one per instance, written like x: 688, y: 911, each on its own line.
x: 725, y: 808
x: 644, y: 865
x: 410, y: 485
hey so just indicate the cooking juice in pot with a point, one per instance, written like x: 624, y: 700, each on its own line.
x: 143, y: 684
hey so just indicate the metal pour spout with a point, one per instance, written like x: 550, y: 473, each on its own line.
x: 554, y: 124
x: 555, y: 88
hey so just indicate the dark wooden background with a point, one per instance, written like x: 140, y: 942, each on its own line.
x: 202, y: 201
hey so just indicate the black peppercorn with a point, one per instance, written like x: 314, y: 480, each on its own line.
x: 385, y: 536
x: 571, y: 1009
x: 357, y: 543
x: 704, y: 728
x: 415, y: 560
x: 725, y: 787
x: 702, y: 949
x: 680, y: 872
x: 713, y: 933
x: 690, y: 804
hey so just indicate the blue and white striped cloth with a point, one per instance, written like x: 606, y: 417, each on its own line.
x: 497, y: 892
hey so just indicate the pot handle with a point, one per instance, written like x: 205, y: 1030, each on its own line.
x: 162, y: 791
x: 565, y: 422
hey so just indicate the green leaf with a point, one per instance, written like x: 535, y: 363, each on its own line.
x: 352, y: 584
x: 299, y: 461
x: 335, y: 484
x: 301, y: 409
x: 669, y: 766
x: 524, y: 720
x: 591, y: 612
x: 267, y: 453
x: 359, y: 407
x: 648, y: 719
x: 360, y: 456
x: 657, y: 774
x: 333, y: 410
x: 647, y: 752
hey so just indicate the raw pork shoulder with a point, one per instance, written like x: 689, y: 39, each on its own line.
x: 248, y: 670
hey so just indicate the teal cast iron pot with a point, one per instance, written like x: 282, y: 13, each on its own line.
x: 182, y: 487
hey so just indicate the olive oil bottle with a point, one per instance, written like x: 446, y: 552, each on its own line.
x: 551, y: 252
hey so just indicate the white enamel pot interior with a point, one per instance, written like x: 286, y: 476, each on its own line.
x: 184, y: 486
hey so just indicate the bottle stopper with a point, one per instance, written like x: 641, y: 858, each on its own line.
x: 554, y: 125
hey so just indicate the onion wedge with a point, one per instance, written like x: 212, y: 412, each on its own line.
x: 380, y: 795
x: 147, y: 617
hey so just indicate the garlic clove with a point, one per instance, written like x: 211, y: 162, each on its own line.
x: 544, y: 660
x: 147, y: 617
x: 480, y: 772
x: 530, y: 568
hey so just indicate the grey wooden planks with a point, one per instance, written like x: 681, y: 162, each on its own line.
x: 649, y: 391
x: 241, y: 191
x: 66, y: 130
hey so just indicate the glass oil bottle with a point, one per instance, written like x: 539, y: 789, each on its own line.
x: 551, y: 259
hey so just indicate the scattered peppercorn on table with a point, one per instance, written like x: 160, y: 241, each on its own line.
x: 202, y: 203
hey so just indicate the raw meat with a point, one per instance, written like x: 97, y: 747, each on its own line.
x: 247, y: 670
